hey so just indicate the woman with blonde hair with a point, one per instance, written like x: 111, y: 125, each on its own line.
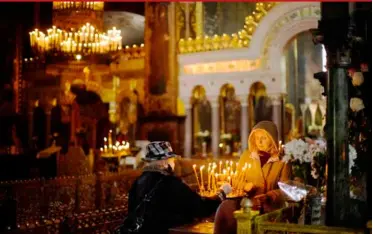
x: 264, y: 171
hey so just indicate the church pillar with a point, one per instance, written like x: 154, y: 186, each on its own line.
x: 244, y: 121
x: 161, y: 120
x: 188, y: 135
x: 215, y: 132
x: 277, y: 113
x: 338, y: 33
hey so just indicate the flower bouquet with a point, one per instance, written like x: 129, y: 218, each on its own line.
x: 203, y: 136
x: 297, y: 152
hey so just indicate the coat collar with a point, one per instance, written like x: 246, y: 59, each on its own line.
x: 270, y: 160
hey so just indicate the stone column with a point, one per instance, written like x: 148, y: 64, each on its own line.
x: 337, y: 36
x: 215, y: 132
x: 244, y: 121
x: 277, y: 113
x: 188, y: 134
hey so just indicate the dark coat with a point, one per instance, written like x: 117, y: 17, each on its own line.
x: 173, y: 203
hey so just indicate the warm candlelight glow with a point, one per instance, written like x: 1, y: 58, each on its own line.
x: 202, y: 185
x: 228, y: 172
x: 85, y: 40
x: 114, y: 149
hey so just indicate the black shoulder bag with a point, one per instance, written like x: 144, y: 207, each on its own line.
x: 134, y: 222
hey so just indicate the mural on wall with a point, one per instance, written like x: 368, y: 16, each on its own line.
x: 158, y: 22
x: 131, y: 25
x: 225, y: 17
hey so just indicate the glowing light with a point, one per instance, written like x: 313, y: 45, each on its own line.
x: 324, y: 59
x: 86, y: 40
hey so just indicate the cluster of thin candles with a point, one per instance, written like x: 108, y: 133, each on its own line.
x: 228, y: 172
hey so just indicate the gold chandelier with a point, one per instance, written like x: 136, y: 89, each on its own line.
x: 78, y: 5
x: 87, y: 40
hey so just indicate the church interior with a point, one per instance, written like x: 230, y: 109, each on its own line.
x: 86, y: 86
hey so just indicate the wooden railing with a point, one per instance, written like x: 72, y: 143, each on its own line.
x: 249, y: 222
x: 43, y: 202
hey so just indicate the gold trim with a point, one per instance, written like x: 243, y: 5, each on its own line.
x: 243, y: 65
x: 238, y: 40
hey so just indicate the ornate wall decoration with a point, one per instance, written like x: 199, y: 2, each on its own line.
x: 189, y: 20
x: 180, y: 20
x: 237, y: 40
x: 299, y: 14
x: 222, y: 67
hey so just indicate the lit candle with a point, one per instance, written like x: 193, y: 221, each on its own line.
x: 201, y: 171
x: 220, y: 167
x: 208, y: 177
x: 195, y: 173
x: 215, y: 182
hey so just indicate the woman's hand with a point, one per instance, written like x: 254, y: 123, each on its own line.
x: 226, y: 188
x: 248, y: 187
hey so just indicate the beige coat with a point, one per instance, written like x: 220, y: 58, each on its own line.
x: 265, y: 178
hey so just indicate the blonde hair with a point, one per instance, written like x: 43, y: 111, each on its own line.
x: 252, y: 144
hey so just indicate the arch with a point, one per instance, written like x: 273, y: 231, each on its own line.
x: 319, y: 116
x: 198, y: 93
x: 278, y: 18
x: 227, y: 89
x: 298, y: 19
x: 258, y: 89
x: 259, y: 104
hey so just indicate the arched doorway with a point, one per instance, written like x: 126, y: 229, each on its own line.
x: 260, y: 107
x: 301, y: 60
x: 201, y: 121
x: 230, y: 120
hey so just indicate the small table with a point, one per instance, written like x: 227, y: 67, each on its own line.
x: 203, y: 227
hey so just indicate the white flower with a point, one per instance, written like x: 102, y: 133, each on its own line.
x: 357, y: 79
x: 226, y: 136
x: 286, y: 158
x: 356, y: 104
x: 318, y: 146
x: 203, y: 134
x: 297, y: 150
x: 206, y: 133
x: 314, y: 173
x: 352, y: 155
